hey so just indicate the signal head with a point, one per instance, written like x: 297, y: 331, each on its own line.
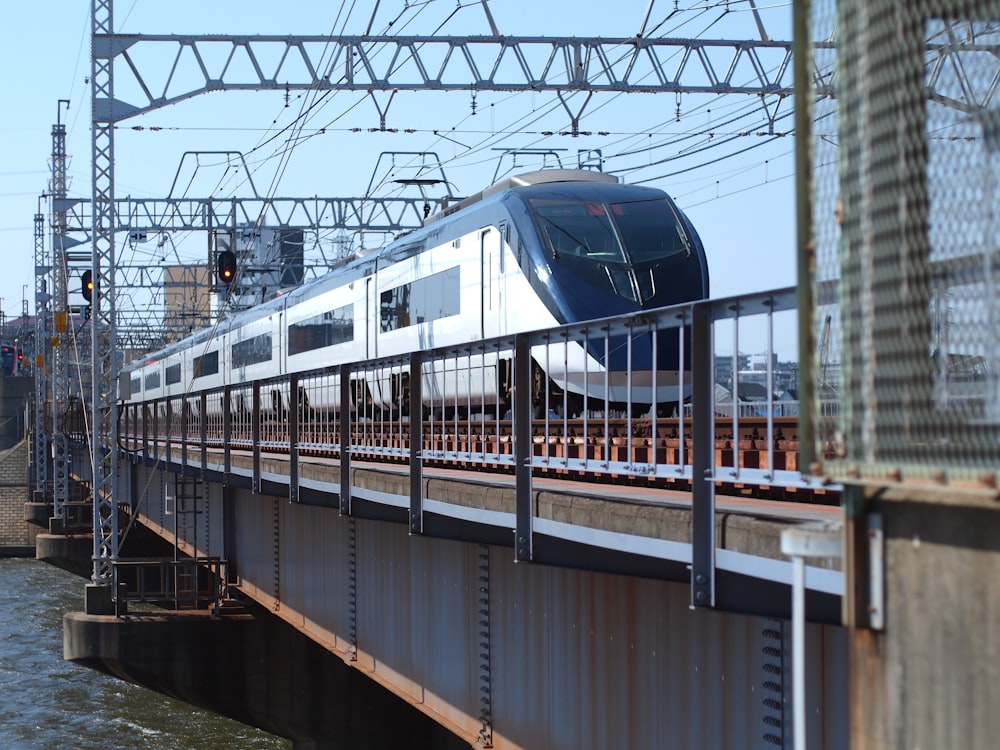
x: 87, y: 285
x: 226, y: 266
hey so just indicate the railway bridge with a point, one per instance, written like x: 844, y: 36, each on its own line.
x: 572, y: 578
x: 455, y: 577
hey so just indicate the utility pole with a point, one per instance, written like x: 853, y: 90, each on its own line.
x: 42, y: 361
x: 104, y: 420
x: 61, y: 324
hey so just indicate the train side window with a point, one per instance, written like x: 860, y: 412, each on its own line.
x: 136, y: 386
x: 252, y: 351
x: 430, y: 298
x: 173, y: 374
x: 326, y: 329
x: 207, y: 364
x: 153, y: 379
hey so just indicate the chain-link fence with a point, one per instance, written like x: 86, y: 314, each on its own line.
x: 906, y: 224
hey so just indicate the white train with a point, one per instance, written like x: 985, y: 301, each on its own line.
x: 533, y: 251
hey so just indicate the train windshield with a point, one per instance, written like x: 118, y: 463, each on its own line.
x: 631, y: 233
x: 10, y: 359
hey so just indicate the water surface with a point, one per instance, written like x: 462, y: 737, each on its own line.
x: 48, y: 703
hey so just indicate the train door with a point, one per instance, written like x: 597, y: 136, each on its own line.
x: 277, y: 346
x: 491, y: 249
x: 371, y: 318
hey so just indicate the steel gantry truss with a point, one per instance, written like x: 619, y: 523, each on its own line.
x: 187, y: 214
x: 452, y: 63
x: 139, y: 216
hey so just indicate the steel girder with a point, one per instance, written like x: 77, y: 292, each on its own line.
x: 452, y: 63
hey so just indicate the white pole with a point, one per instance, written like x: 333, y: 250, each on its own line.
x: 800, y: 542
x: 799, y: 652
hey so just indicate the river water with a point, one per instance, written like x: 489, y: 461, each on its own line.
x: 48, y: 703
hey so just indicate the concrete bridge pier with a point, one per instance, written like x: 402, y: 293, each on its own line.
x: 252, y: 667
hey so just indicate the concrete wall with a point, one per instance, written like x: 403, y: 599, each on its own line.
x: 17, y: 537
x: 16, y: 394
x: 930, y: 678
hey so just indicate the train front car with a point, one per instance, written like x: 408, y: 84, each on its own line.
x: 597, y: 249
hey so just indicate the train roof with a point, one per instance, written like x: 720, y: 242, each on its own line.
x: 360, y: 263
x: 540, y: 177
x: 363, y: 263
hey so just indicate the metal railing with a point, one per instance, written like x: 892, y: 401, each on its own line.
x: 534, y: 403
x: 581, y: 417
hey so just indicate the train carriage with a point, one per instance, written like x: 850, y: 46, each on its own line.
x: 531, y: 252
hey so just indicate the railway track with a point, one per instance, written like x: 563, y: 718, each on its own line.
x: 578, y: 449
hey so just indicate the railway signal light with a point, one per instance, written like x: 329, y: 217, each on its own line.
x: 87, y: 285
x: 226, y: 266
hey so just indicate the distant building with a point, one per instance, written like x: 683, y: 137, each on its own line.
x: 186, y: 300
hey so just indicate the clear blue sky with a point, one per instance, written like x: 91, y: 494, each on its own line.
x: 740, y: 194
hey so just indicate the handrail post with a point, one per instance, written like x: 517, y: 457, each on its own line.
x: 345, y: 440
x: 168, y: 415
x: 295, y: 405
x: 227, y: 431
x: 203, y: 422
x: 255, y: 436
x: 522, y: 448
x: 185, y: 420
x: 416, y: 443
x: 702, y: 459
x: 145, y: 430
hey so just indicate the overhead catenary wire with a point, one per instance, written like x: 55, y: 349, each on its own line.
x: 314, y: 104
x: 681, y: 18
x: 491, y: 142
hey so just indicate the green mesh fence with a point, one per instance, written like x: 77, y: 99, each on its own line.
x: 906, y: 225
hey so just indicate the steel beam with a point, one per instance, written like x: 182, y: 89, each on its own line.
x: 443, y: 63
x: 376, y: 214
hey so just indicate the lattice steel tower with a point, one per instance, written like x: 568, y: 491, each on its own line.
x: 61, y: 323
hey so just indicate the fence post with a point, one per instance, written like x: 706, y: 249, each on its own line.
x: 203, y: 408
x: 185, y: 421
x: 702, y: 458
x: 255, y: 436
x: 522, y: 448
x: 145, y: 429
x: 345, y: 440
x: 168, y: 413
x: 227, y: 431
x: 416, y: 443
x: 294, y: 406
